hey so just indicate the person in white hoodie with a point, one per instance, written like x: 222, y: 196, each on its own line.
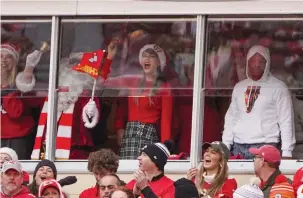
x: 261, y: 109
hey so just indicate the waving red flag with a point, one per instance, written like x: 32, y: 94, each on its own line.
x: 90, y: 63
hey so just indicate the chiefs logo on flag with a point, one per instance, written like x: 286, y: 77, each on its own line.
x: 91, y: 62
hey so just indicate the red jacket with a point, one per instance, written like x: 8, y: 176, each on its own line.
x: 227, y: 190
x: 162, y: 187
x: 298, y: 180
x: 23, y: 193
x: 211, y: 127
x: 16, y: 116
x: 92, y: 192
x: 140, y: 109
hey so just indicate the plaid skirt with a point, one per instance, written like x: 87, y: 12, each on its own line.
x: 136, y: 136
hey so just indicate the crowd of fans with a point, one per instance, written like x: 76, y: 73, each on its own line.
x: 209, y: 180
x: 262, y: 121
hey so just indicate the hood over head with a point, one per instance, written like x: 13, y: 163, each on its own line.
x: 263, y: 51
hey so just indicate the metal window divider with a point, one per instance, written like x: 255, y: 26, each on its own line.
x: 198, y: 93
x: 52, y: 96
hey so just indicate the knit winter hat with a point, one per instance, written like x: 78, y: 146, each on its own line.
x: 158, y: 50
x: 300, y: 192
x: 158, y: 153
x: 50, y: 183
x: 248, y: 191
x: 48, y: 163
x: 9, y: 152
x: 282, y: 190
x: 185, y: 188
x: 11, y: 49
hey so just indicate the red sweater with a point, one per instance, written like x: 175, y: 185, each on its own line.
x: 23, y: 193
x: 211, y: 126
x: 162, y: 187
x: 16, y: 115
x: 298, y: 180
x: 92, y: 192
x: 227, y: 190
x: 156, y: 109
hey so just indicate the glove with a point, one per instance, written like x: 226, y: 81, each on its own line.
x: 91, y: 109
x: 67, y: 181
x: 33, y: 58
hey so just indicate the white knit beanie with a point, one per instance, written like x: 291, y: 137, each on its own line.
x: 300, y: 192
x: 12, y: 50
x: 159, y: 51
x: 9, y: 152
x: 251, y: 190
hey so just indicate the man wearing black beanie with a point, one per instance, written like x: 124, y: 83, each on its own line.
x: 150, y: 180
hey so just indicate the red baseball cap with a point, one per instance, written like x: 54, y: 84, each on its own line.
x: 50, y: 183
x: 269, y: 153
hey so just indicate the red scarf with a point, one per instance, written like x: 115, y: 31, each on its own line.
x: 64, y: 133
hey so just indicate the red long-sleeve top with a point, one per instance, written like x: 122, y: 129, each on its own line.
x: 16, y: 115
x: 156, y: 109
x: 227, y: 190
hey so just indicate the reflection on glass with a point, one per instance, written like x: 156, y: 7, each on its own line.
x: 257, y: 78
x: 24, y: 54
x: 151, y: 68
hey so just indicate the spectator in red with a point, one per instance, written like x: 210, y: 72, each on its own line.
x: 298, y: 179
x: 145, y: 116
x: 51, y: 189
x: 8, y: 154
x: 100, y: 163
x: 11, y: 180
x: 267, y: 160
x: 150, y: 181
x: 211, y: 177
x: 17, y: 123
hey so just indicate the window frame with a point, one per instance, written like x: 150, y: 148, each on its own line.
x: 58, y: 9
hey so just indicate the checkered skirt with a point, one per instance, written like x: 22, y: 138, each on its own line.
x: 136, y: 136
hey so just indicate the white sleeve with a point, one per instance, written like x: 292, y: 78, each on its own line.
x: 22, y: 85
x: 286, y: 120
x: 230, y: 121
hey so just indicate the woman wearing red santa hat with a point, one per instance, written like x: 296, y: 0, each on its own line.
x: 17, y: 122
x: 146, y: 115
x: 77, y: 116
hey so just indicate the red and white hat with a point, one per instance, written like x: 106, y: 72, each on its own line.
x: 11, y: 49
x: 159, y: 51
x: 300, y: 192
x: 50, y: 183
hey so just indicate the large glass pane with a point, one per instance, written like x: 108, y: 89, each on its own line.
x: 253, y: 81
x: 147, y: 96
x: 24, y: 81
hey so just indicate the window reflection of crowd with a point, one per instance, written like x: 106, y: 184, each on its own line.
x: 227, y: 48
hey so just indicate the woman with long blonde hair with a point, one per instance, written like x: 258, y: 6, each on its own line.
x: 17, y: 123
x: 211, y: 177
